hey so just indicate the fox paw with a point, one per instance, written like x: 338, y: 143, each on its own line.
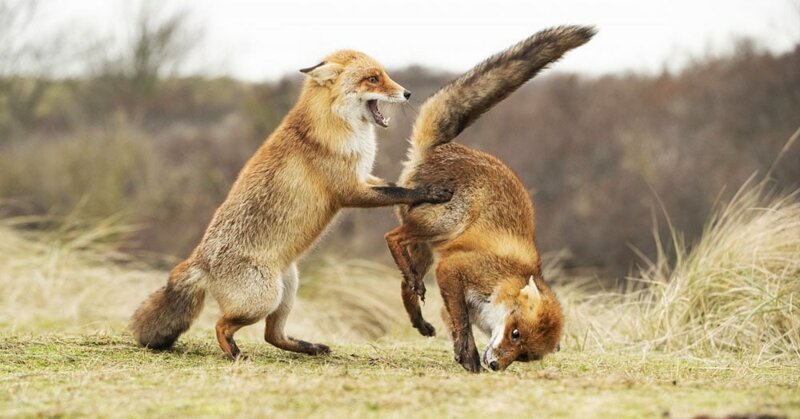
x: 437, y: 194
x: 319, y: 349
x: 309, y: 348
x: 425, y: 328
x: 469, y: 360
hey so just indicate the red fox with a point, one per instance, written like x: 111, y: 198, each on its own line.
x: 316, y: 162
x: 488, y: 268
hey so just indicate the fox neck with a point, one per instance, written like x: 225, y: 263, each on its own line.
x: 339, y: 125
x: 489, y: 314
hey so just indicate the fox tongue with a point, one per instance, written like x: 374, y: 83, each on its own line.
x: 376, y: 113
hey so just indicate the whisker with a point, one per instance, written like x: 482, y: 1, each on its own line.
x: 412, y: 107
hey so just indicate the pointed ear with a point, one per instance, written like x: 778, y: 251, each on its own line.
x: 323, y: 72
x: 531, y: 290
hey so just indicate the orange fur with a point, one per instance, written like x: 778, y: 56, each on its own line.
x: 316, y: 162
x: 488, y: 266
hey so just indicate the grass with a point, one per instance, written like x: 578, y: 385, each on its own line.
x: 735, y: 290
x: 712, y: 330
x: 107, y: 375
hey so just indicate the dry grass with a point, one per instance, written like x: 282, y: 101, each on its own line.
x: 73, y: 280
x: 108, y: 376
x: 735, y: 290
x: 714, y: 329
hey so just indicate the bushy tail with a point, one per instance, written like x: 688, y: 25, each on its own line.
x: 169, y: 312
x: 460, y: 103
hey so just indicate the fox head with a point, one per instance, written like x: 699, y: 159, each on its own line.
x: 356, y: 83
x: 531, y: 329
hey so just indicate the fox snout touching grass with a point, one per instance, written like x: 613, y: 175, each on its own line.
x: 317, y: 161
x: 488, y: 267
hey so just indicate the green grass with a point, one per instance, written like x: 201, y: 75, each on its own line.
x: 107, y: 375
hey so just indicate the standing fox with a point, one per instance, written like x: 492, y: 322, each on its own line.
x: 316, y: 162
x: 488, y: 270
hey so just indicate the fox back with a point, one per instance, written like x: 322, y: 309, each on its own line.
x: 488, y: 268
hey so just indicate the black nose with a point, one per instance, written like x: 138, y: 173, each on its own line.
x: 494, y: 365
x: 406, y: 94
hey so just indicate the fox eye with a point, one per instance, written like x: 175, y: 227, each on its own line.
x: 373, y: 79
x: 515, y: 334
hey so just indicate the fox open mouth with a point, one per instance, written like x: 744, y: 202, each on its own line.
x: 377, y: 116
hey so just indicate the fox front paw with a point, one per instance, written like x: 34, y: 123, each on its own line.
x: 469, y: 360
x: 436, y: 194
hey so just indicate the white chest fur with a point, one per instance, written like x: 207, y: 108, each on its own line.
x: 361, y: 143
x: 363, y: 146
x: 486, y: 315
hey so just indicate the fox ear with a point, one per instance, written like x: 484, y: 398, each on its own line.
x: 532, y: 290
x: 323, y: 72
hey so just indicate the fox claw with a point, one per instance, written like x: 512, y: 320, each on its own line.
x: 419, y: 288
x: 470, y: 361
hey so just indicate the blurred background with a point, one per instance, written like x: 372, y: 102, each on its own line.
x: 142, y: 113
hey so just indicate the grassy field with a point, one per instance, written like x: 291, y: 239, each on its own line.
x: 106, y: 375
x: 712, y: 330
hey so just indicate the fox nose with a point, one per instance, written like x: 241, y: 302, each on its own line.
x: 406, y: 94
x: 494, y: 365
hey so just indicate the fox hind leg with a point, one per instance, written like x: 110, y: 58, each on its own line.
x: 225, y: 329
x: 422, y: 259
x: 274, y: 330
x: 422, y: 225
x: 414, y: 259
x: 246, y: 294
x: 398, y: 241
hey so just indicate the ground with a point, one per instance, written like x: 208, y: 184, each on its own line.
x: 107, y: 375
x: 719, y: 336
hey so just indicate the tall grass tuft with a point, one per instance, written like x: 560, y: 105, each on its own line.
x: 737, y: 289
x: 69, y: 278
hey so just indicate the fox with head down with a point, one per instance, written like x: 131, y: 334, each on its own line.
x: 483, y: 240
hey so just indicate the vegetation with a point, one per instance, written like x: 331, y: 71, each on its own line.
x: 102, y: 375
x: 108, y: 175
x: 715, y: 332
x: 735, y: 290
x: 127, y: 135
